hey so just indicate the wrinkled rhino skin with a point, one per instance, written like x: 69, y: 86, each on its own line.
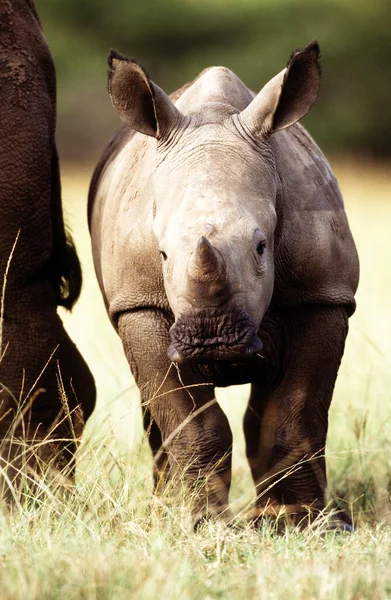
x: 254, y: 283
x: 43, y: 270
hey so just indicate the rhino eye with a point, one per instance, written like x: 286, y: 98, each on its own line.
x: 261, y: 248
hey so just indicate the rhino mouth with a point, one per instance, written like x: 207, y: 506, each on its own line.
x: 205, y: 338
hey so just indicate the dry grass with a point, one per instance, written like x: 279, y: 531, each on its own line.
x: 110, y: 539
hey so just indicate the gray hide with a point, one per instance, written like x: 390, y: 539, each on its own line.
x: 224, y: 256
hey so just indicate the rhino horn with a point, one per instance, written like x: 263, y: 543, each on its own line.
x: 206, y: 264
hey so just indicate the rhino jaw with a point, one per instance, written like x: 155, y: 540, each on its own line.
x: 209, y: 338
x: 216, y: 354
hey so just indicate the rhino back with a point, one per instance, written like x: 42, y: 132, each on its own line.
x: 315, y: 255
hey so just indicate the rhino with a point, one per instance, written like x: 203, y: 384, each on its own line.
x: 224, y: 256
x: 43, y: 376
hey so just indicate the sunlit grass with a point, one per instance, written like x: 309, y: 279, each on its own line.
x: 109, y: 538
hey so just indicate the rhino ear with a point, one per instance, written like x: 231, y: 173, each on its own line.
x: 139, y: 102
x: 288, y: 96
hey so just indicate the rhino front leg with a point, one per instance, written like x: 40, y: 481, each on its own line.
x: 184, y: 417
x: 287, y: 419
x: 161, y: 464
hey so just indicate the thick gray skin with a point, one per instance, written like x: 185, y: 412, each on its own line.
x: 224, y: 173
x: 44, y: 271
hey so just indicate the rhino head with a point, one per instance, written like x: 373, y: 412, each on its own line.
x: 215, y: 186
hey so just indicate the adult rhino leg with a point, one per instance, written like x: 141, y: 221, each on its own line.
x: 45, y: 400
x: 287, y: 417
x: 74, y: 401
x: 195, y: 433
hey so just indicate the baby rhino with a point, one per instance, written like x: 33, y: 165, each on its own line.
x: 224, y: 256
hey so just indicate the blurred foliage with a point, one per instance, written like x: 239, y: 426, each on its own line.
x: 175, y: 39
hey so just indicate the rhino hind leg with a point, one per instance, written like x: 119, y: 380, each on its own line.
x: 286, y: 422
x: 45, y: 399
x: 189, y: 434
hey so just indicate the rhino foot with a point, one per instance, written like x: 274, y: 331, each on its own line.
x: 284, y: 516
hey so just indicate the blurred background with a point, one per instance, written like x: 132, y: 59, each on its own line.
x: 351, y: 120
x: 175, y: 39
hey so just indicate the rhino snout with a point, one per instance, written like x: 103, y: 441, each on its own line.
x: 201, y: 338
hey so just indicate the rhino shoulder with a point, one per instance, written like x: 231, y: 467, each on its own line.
x: 126, y: 256
x: 316, y: 258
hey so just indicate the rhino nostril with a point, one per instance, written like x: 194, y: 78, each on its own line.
x: 163, y: 254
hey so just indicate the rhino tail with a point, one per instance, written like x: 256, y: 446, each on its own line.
x: 65, y: 269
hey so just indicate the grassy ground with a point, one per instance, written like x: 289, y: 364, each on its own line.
x: 111, y: 539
